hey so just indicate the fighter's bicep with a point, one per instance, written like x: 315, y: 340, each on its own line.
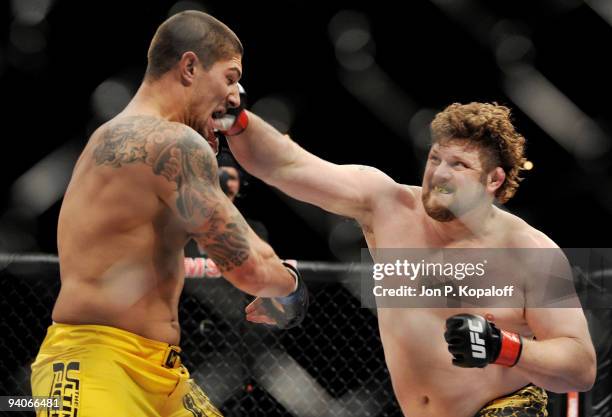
x: 550, y: 323
x: 347, y: 190
x: 553, y: 308
x: 186, y: 178
x: 188, y: 183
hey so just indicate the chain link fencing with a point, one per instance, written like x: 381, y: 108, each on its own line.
x: 332, y: 365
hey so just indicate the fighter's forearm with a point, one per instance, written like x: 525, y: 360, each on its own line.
x: 261, y: 149
x: 560, y: 365
x: 274, y: 279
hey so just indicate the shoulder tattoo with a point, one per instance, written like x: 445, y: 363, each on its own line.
x: 180, y: 156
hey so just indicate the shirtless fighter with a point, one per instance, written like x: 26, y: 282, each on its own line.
x: 145, y: 184
x: 474, y: 160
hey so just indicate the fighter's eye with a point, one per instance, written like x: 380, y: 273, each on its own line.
x: 459, y: 164
x: 434, y: 159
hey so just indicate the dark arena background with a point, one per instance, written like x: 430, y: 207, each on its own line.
x: 351, y: 82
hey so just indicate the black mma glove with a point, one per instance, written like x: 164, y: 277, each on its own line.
x: 295, y: 305
x: 475, y: 342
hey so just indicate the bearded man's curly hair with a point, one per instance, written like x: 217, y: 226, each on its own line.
x: 488, y: 127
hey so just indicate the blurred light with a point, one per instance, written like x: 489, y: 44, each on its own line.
x: 181, y: 6
x: 602, y: 7
x: 511, y: 41
x: 555, y: 113
x: 13, y: 236
x: 361, y: 402
x: 26, y: 39
x: 30, y: 12
x: 355, y: 23
x: 300, y: 393
x: 45, y: 183
x: 358, y: 61
x: 352, y: 40
x: 475, y: 20
x: 349, y: 31
x: 512, y: 49
x: 350, y: 34
x: 419, y: 128
x: 220, y: 375
x: 566, y: 5
x: 293, y: 387
x: 110, y: 97
x: 528, y: 165
x: 383, y: 97
x: 275, y: 111
x: 508, y: 27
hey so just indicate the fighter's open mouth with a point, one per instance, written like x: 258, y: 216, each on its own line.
x: 443, y: 189
x: 209, y: 129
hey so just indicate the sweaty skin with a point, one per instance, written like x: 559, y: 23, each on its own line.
x: 120, y: 246
x: 393, y: 215
x: 144, y: 185
x: 424, y: 380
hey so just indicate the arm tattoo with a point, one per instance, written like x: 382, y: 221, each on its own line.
x: 182, y: 158
x: 226, y: 242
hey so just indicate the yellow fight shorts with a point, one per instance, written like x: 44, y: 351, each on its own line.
x: 529, y: 401
x: 104, y: 371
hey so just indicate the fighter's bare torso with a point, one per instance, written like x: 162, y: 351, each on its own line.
x: 424, y: 379
x: 120, y: 247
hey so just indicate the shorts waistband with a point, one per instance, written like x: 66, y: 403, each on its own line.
x: 71, y: 335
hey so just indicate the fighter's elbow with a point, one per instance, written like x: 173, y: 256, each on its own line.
x: 583, y: 363
x: 584, y: 372
x: 586, y: 379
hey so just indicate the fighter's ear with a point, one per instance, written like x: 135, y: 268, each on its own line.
x: 188, y: 65
x: 495, y: 179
